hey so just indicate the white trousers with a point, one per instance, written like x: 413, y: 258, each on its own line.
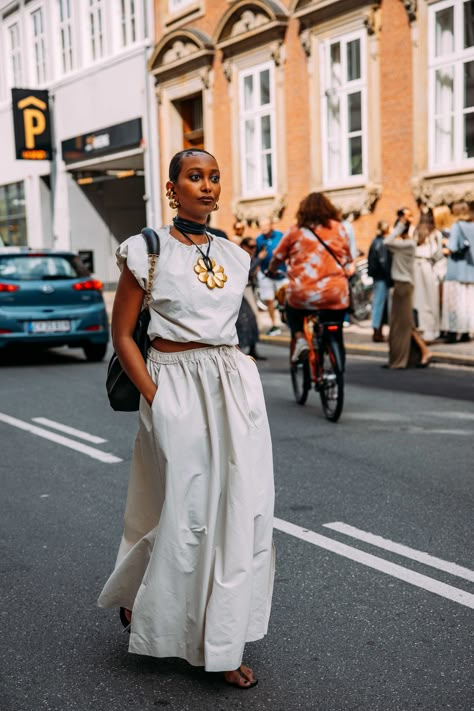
x: 196, y: 561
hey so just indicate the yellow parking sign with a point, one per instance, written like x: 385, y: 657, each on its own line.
x: 32, y: 124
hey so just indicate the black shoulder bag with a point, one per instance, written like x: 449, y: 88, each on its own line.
x: 464, y: 247
x: 123, y: 395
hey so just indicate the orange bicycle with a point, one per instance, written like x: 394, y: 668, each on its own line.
x: 323, y: 368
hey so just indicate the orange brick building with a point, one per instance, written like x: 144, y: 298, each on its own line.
x: 371, y: 102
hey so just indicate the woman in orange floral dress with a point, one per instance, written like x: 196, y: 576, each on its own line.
x: 318, y: 280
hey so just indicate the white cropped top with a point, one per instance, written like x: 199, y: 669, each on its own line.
x: 181, y: 307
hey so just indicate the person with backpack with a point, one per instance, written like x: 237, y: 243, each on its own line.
x: 379, y: 266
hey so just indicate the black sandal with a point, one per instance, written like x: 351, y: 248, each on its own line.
x: 127, y: 623
x: 242, y: 676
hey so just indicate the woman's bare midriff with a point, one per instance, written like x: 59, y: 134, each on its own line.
x: 166, y: 346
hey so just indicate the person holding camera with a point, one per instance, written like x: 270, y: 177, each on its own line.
x: 406, y: 347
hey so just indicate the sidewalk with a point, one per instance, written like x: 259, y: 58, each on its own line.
x: 358, y: 340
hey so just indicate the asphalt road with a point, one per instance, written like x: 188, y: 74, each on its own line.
x: 374, y: 612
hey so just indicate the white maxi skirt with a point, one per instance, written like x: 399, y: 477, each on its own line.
x: 196, y: 560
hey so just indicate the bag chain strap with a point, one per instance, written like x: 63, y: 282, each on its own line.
x: 151, y: 274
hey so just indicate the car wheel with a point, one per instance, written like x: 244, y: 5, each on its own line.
x: 95, y: 352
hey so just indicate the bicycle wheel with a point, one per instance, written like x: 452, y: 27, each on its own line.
x: 331, y: 381
x: 301, y: 381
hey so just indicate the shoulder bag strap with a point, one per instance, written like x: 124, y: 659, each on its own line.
x: 326, y: 246
x: 153, y: 248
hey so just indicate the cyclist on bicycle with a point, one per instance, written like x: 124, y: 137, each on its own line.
x: 319, y: 262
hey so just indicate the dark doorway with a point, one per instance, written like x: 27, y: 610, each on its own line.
x: 190, y: 110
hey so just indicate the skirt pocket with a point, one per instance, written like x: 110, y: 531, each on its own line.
x: 251, y: 388
x: 145, y: 410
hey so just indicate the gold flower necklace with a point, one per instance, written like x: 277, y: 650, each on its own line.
x: 208, y: 272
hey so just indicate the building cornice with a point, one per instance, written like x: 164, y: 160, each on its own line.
x: 181, y: 51
x: 247, y: 25
x: 311, y: 13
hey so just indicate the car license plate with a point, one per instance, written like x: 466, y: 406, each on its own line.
x: 49, y: 326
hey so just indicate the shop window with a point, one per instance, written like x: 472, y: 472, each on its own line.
x: 39, y: 45
x: 128, y: 21
x: 257, y: 121
x: 12, y: 215
x: 16, y: 70
x: 190, y: 110
x: 65, y: 30
x: 96, y: 32
x: 343, y: 108
x: 451, y: 74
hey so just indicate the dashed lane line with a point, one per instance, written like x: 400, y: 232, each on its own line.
x: 406, y: 551
x: 59, y: 439
x: 397, y: 571
x: 69, y: 430
x: 372, y: 561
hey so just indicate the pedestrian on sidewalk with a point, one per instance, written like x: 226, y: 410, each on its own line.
x: 379, y: 266
x: 406, y: 347
x: 443, y: 219
x: 194, y: 572
x: 238, y: 232
x: 267, y: 242
x: 428, y: 252
x: 318, y: 280
x: 458, y: 299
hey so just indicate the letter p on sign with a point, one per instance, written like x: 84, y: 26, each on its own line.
x: 35, y: 123
x: 32, y: 124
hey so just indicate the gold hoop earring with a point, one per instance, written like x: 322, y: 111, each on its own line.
x: 216, y: 206
x: 172, y: 199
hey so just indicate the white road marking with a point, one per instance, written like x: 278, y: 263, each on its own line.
x: 69, y: 430
x: 59, y: 439
x: 378, y: 416
x: 444, y: 431
x: 454, y: 415
x: 406, y: 551
x: 383, y: 566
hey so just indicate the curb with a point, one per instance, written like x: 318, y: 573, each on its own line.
x: 381, y: 352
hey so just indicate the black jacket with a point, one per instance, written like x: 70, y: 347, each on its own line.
x: 379, y: 260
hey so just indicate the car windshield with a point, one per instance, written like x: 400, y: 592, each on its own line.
x: 30, y: 267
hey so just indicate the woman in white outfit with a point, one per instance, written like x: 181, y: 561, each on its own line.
x: 194, y: 572
x: 428, y: 255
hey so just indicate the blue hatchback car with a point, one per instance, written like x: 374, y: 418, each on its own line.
x: 48, y: 298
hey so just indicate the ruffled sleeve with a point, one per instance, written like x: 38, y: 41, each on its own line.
x: 133, y: 252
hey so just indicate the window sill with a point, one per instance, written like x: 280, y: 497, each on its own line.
x: 444, y: 187
x: 192, y: 12
x: 466, y: 167
x: 257, y: 196
x: 354, y: 198
x: 361, y: 182
x: 251, y: 208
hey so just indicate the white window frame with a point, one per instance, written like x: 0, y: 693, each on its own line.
x: 268, y: 109
x: 66, y: 46
x: 175, y: 6
x: 458, y: 57
x: 15, y: 77
x: 96, y: 10
x: 129, y: 19
x: 347, y: 87
x: 38, y: 43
